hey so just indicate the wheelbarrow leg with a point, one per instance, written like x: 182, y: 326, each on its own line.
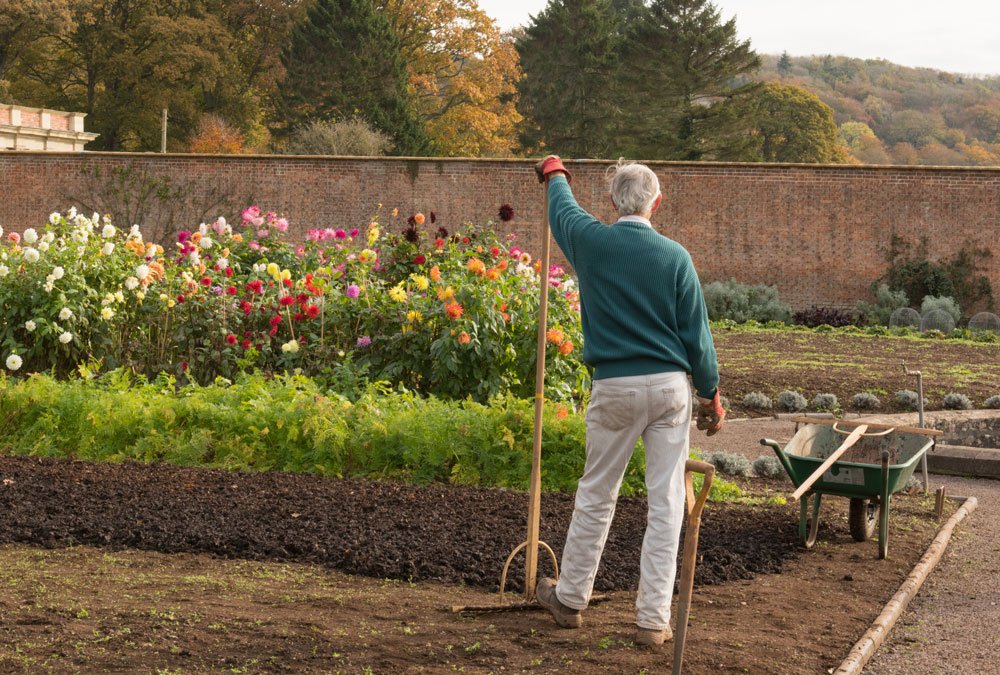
x: 809, y: 527
x: 883, y: 510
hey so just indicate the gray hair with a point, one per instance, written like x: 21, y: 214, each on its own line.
x: 634, y: 187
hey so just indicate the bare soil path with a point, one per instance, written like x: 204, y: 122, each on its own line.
x: 953, y: 625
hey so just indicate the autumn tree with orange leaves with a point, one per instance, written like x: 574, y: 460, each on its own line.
x: 462, y: 74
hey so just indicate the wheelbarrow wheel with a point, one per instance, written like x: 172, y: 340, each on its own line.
x: 862, y: 518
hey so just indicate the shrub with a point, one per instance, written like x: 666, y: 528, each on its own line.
x: 791, y: 401
x: 757, y: 401
x: 946, y: 304
x: 865, y: 401
x: 960, y: 277
x: 741, y: 302
x: 725, y: 403
x: 956, y: 402
x: 824, y: 316
x: 353, y: 137
x: 825, y: 402
x: 452, y: 314
x: 214, y: 135
x: 886, y: 302
x: 992, y: 402
x: 730, y: 464
x: 909, y: 399
x: 768, y: 466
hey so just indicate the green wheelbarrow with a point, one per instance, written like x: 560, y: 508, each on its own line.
x: 863, y: 461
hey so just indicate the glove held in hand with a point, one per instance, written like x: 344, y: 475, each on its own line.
x: 710, y: 414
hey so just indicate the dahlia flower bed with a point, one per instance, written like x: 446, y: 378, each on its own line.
x: 448, y: 312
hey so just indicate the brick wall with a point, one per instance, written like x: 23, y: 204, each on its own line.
x: 817, y: 232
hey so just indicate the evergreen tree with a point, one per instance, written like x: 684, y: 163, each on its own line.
x: 344, y: 61
x: 683, y: 63
x: 785, y: 63
x: 569, y: 94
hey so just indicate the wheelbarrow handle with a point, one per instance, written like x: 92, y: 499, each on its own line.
x: 696, y: 504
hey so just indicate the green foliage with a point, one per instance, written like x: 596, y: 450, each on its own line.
x: 674, y: 61
x: 348, y: 137
x: 992, y: 402
x: 742, y: 302
x: 569, y: 93
x: 911, y: 271
x: 786, y: 124
x: 289, y: 423
x: 123, y: 62
x: 931, y: 303
x: 344, y: 60
x: 689, y: 61
x: 886, y: 302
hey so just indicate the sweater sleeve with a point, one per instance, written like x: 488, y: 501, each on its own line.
x: 568, y: 221
x: 692, y: 319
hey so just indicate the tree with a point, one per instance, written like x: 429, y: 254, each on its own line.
x: 785, y: 64
x: 568, y: 95
x: 863, y: 144
x: 24, y: 22
x: 344, y: 60
x: 687, y: 62
x: 786, y: 124
x: 913, y: 127
x: 248, y: 95
x: 462, y: 74
x: 121, y: 62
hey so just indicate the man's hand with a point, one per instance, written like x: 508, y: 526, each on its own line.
x: 551, y: 164
x: 710, y: 414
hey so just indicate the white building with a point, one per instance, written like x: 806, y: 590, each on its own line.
x: 23, y: 128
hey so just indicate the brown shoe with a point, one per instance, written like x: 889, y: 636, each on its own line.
x: 545, y: 594
x: 650, y: 637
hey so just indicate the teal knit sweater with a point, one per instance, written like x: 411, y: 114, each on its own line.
x: 641, y: 303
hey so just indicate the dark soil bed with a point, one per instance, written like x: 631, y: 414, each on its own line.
x: 202, y: 571
x: 378, y: 529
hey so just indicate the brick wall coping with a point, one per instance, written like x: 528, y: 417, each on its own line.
x: 508, y: 160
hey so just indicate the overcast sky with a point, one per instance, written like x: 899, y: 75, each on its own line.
x: 960, y: 36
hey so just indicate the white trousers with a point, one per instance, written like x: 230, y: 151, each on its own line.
x: 657, y: 408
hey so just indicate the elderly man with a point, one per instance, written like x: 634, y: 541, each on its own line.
x: 645, y: 328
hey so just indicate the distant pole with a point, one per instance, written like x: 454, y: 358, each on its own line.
x: 163, y: 133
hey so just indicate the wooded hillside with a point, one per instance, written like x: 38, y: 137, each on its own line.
x: 887, y: 113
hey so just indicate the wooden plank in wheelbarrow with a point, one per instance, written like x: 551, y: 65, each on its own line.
x: 871, y: 425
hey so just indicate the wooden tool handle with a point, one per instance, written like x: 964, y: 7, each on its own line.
x: 844, y: 447
x: 870, y: 425
x: 696, y: 504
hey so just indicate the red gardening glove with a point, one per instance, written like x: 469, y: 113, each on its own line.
x: 550, y: 164
x: 710, y: 414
